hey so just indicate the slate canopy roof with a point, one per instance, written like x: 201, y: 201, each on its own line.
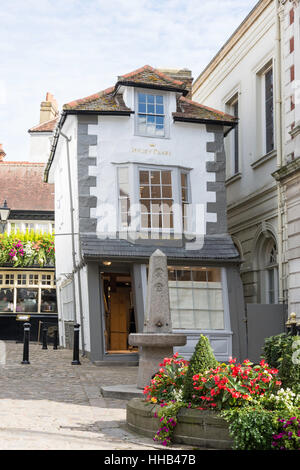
x: 215, y: 248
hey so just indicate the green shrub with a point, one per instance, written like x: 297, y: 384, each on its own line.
x: 278, y: 352
x: 202, y: 360
x: 257, y: 428
x: 251, y: 428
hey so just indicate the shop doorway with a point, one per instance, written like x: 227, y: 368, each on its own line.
x: 118, y: 312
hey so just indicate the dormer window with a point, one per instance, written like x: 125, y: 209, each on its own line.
x: 150, y: 114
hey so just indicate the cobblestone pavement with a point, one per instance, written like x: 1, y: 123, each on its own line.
x: 51, y: 404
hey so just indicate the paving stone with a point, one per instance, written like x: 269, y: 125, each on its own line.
x: 50, y: 404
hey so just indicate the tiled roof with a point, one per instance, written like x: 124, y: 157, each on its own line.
x: 47, y: 126
x: 21, y: 184
x: 148, y: 76
x: 214, y: 248
x: 106, y: 100
x: 187, y: 109
x: 110, y: 100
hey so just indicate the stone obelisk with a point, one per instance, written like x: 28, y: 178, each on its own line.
x: 157, y: 339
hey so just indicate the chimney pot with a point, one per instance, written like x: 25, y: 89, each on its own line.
x: 49, y: 108
x: 2, y: 153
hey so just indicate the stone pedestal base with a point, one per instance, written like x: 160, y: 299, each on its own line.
x: 155, y: 347
x: 150, y: 359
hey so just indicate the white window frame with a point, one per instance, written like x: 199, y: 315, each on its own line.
x: 35, y: 223
x: 133, y: 173
x: 166, y: 113
x: 261, y: 108
x: 230, y: 139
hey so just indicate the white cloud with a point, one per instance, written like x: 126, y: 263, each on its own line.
x: 77, y: 47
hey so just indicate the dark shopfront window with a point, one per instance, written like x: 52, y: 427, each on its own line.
x: 27, y: 292
x: 27, y: 300
x: 6, y: 300
x: 48, y: 301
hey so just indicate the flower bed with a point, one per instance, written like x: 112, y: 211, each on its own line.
x: 243, y: 402
x: 27, y: 249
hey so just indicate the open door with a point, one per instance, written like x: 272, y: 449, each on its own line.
x: 119, y: 313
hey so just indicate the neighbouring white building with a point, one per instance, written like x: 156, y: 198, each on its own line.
x: 136, y: 167
x: 256, y: 77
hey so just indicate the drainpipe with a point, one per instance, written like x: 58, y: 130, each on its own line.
x: 279, y: 147
x: 68, y: 139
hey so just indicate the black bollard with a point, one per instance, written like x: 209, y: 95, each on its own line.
x: 26, y: 343
x: 55, y: 341
x: 76, y: 361
x: 44, y: 335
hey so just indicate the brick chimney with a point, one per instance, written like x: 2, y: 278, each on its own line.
x: 49, y: 108
x: 184, y: 75
x: 2, y: 153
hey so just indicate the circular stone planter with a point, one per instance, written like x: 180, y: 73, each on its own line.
x: 199, y: 428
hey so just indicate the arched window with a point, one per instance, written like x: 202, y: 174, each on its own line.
x: 271, y: 270
x: 266, y: 255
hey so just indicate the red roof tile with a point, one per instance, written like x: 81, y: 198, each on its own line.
x: 47, y: 126
x: 105, y: 100
x: 151, y: 76
x: 21, y: 184
x: 188, y: 109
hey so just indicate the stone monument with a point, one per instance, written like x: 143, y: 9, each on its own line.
x: 157, y: 340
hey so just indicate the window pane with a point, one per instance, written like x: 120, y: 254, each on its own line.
x: 167, y: 191
x: 145, y: 206
x: 155, y: 192
x: 150, y: 114
x: 48, y: 302
x: 142, y: 98
x: 155, y: 177
x: 142, y: 108
x: 6, y: 300
x: 183, y: 179
x: 269, y: 110
x: 197, y: 298
x: 144, y: 177
x: 144, y: 192
x: 27, y: 300
x: 21, y: 279
x: 166, y: 177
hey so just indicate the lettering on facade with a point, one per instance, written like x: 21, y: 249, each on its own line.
x: 151, y: 151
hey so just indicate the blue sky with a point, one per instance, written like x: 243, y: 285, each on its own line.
x: 78, y: 47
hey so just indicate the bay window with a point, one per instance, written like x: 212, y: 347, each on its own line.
x: 196, y: 298
x: 153, y: 198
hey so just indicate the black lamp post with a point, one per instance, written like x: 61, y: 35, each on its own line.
x: 4, y: 214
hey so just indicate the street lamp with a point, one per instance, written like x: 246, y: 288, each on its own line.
x: 4, y: 214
